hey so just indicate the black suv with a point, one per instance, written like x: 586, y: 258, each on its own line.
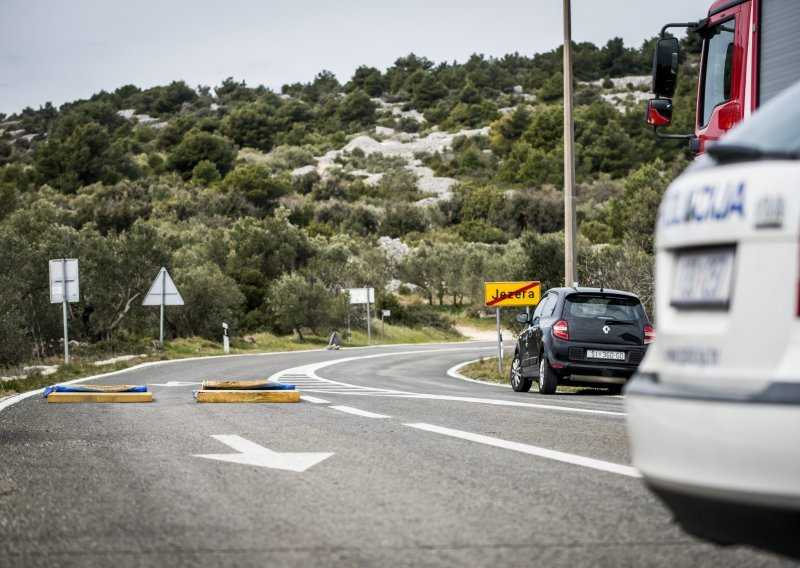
x: 581, y: 337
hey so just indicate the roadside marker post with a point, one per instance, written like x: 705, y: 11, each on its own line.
x: 226, y: 346
x: 384, y: 314
x: 499, y: 294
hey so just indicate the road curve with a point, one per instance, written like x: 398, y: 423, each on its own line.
x: 410, y: 467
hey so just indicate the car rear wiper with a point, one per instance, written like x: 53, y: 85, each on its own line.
x: 612, y: 320
x: 727, y: 153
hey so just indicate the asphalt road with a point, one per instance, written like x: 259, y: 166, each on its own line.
x: 424, y: 470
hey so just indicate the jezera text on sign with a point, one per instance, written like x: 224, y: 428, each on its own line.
x: 512, y: 293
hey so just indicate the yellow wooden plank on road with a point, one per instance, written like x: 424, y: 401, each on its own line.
x: 100, y: 397
x: 248, y: 396
x: 500, y: 294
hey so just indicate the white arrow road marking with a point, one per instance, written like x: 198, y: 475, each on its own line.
x: 358, y: 412
x: 532, y: 450
x: 253, y: 454
x: 172, y: 384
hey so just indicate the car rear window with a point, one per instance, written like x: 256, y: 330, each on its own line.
x: 611, y: 307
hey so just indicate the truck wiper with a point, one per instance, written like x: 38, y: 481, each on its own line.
x: 726, y: 153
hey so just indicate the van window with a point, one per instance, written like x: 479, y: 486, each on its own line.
x: 718, y: 67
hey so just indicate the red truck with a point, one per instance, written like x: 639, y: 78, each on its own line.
x: 751, y: 52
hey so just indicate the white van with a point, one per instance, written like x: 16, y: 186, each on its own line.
x: 713, y: 413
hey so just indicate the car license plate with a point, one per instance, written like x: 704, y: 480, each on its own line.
x: 703, y: 279
x: 614, y: 355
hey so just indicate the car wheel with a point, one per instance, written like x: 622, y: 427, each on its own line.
x: 548, y: 380
x: 518, y: 382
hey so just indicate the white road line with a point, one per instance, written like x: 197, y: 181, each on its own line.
x: 501, y: 402
x: 328, y: 386
x: 532, y: 450
x: 314, y: 399
x: 357, y: 412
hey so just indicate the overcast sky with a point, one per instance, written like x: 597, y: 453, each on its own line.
x: 60, y: 51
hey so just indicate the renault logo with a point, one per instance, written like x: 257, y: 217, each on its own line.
x: 606, y: 329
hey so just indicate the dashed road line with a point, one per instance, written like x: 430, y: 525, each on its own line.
x: 314, y: 399
x: 358, y: 412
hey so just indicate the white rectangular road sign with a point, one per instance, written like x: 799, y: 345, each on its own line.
x: 361, y: 295
x: 57, y: 284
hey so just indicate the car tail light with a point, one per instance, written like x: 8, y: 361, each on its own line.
x: 649, y: 334
x: 561, y: 329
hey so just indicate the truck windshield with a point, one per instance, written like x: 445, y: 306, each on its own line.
x: 772, y: 133
x: 718, y: 64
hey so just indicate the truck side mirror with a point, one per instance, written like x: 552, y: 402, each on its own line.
x: 659, y: 112
x: 665, y: 67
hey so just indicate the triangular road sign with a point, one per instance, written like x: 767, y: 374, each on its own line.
x: 163, y: 291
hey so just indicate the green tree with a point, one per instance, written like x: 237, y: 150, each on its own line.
x: 210, y: 298
x: 197, y: 146
x: 544, y: 259
x: 401, y: 219
x: 252, y: 125
x: 81, y: 153
x: 261, y: 251
x: 205, y: 173
x: 116, y: 273
x: 163, y: 101
x: 428, y: 92
x: 29, y: 238
x: 633, y: 215
x: 367, y: 79
x: 112, y: 208
x: 298, y: 302
x: 357, y: 110
x: 258, y: 184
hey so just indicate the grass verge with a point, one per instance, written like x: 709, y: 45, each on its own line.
x: 486, y: 370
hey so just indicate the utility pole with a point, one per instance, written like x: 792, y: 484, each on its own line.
x: 570, y: 222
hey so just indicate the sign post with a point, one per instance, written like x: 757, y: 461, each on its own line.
x: 363, y: 296
x: 500, y: 294
x: 64, y: 288
x: 163, y: 292
x: 499, y: 345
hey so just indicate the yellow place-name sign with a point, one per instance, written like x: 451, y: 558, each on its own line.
x: 499, y: 294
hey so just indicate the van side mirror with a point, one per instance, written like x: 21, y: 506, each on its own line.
x: 659, y: 112
x: 522, y: 318
x: 665, y: 67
